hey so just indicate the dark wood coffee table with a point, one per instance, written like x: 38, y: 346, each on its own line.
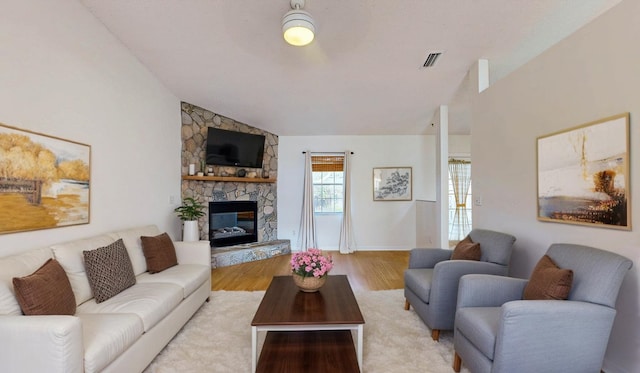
x: 320, y: 323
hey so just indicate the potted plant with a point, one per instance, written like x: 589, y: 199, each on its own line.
x: 189, y: 213
x: 310, y: 269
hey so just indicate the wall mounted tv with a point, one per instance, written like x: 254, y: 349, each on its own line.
x: 230, y: 148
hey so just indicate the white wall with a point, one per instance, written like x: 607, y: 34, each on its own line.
x: 460, y: 146
x: 377, y: 225
x: 63, y: 74
x: 590, y: 75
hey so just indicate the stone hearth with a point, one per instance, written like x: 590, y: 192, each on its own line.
x: 231, y: 255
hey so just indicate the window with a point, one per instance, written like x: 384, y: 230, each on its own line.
x: 328, y: 183
x: 460, y: 207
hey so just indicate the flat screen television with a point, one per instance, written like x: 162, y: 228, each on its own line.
x: 230, y: 148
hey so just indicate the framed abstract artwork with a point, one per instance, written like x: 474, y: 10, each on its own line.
x: 44, y: 181
x: 392, y: 184
x: 583, y: 174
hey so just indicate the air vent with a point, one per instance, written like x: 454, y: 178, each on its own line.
x: 431, y: 59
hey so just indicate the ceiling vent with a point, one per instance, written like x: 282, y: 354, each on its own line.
x: 431, y: 59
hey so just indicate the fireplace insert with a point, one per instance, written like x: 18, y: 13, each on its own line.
x: 233, y: 222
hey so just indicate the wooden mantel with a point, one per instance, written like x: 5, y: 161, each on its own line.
x: 229, y: 179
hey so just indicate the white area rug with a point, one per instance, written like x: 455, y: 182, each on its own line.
x: 218, y: 337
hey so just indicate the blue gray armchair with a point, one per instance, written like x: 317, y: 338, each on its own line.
x: 431, y: 281
x: 497, y: 332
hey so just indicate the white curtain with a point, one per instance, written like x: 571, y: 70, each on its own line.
x: 347, y: 243
x: 460, y: 224
x: 307, y: 237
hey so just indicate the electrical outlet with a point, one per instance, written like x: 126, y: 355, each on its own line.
x: 293, y: 233
x: 172, y: 199
x: 477, y: 200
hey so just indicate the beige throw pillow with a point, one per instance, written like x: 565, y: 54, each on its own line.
x: 47, y: 291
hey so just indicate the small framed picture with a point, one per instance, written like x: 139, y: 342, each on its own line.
x: 392, y: 184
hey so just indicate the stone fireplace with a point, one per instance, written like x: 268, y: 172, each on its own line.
x: 237, y: 235
x: 226, y: 186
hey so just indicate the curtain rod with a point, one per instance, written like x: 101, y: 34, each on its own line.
x: 456, y: 160
x: 326, y: 152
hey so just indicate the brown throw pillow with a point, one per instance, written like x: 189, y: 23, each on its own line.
x: 159, y: 252
x: 47, y: 291
x: 466, y: 250
x: 109, y: 270
x: 548, y: 281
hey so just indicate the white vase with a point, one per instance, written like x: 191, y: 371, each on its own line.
x: 190, y: 231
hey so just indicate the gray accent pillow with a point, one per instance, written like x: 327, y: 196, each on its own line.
x: 109, y: 270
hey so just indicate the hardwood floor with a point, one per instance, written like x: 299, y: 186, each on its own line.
x: 367, y: 270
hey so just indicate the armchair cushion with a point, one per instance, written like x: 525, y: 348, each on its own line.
x: 597, y: 274
x: 548, y: 281
x: 419, y: 281
x: 47, y: 291
x: 466, y: 250
x: 496, y: 246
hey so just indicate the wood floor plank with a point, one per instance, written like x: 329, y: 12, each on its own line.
x: 367, y: 270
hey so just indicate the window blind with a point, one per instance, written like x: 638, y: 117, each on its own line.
x: 327, y: 163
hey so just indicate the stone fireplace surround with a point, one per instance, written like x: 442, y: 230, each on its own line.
x: 195, y: 121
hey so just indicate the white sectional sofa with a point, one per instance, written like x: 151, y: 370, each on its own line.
x: 121, y: 334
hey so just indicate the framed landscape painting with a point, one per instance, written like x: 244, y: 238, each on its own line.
x: 583, y: 174
x: 44, y: 181
x: 392, y: 184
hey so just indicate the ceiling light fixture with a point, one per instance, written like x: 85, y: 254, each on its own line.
x: 297, y: 25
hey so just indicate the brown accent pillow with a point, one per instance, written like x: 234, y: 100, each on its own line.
x: 548, y: 281
x: 466, y: 250
x: 109, y: 270
x: 159, y: 252
x: 47, y: 291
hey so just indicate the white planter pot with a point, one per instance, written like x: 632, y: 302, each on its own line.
x: 190, y: 231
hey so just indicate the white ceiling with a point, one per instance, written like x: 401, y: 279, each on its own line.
x: 363, y: 73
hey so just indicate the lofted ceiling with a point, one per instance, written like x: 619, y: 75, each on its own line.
x: 363, y: 73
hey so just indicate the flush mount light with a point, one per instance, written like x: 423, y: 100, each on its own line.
x: 297, y: 25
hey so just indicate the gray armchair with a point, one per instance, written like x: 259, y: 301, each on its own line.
x: 497, y: 332
x: 431, y: 281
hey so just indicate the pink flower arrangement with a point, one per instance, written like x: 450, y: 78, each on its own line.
x: 311, y: 263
